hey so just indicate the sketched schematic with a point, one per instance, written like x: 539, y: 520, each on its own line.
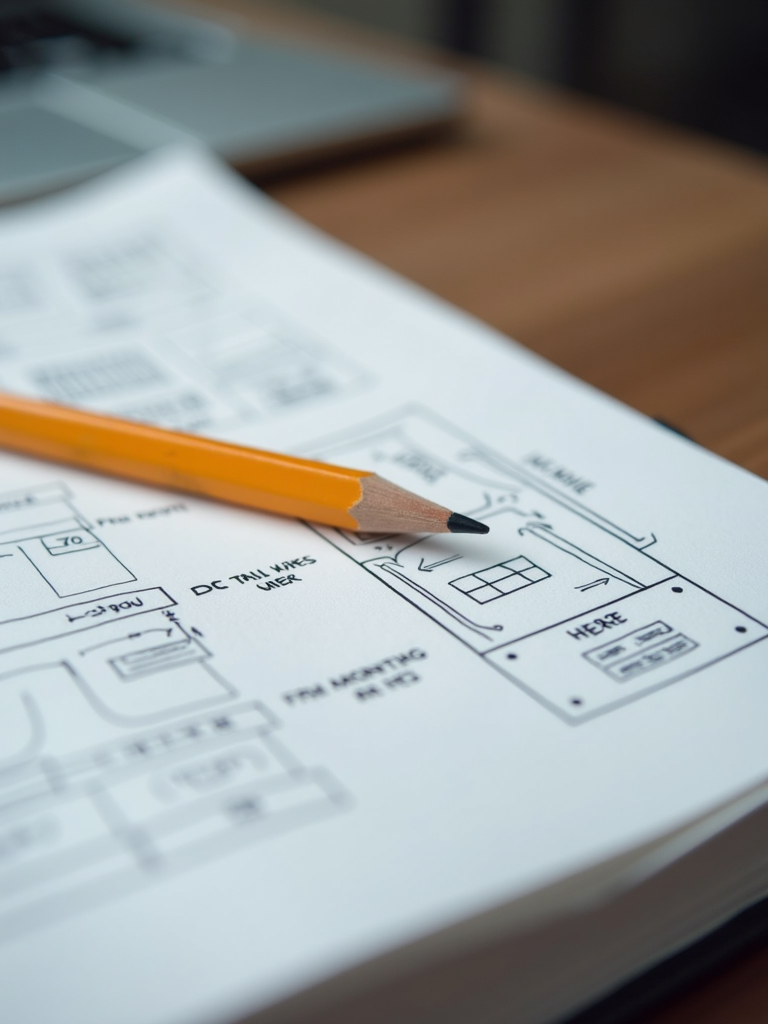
x: 170, y: 765
x: 144, y: 327
x: 528, y: 598
x: 39, y: 527
x: 79, y: 829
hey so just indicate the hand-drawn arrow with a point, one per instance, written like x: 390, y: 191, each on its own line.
x: 595, y: 583
x: 436, y: 565
x: 130, y: 636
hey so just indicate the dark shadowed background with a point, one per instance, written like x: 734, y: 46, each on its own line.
x: 700, y: 63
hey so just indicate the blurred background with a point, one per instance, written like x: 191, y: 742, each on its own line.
x: 699, y: 63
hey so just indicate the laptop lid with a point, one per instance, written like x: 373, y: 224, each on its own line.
x: 84, y: 86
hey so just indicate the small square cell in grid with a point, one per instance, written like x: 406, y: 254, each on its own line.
x: 518, y: 564
x: 514, y: 582
x: 496, y: 572
x: 466, y: 584
x: 534, y: 574
x: 485, y: 594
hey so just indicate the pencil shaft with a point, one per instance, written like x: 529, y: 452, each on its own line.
x: 349, y: 498
x: 164, y: 458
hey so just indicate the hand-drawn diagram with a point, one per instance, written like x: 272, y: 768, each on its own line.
x: 171, y: 765
x: 39, y: 528
x: 499, y: 580
x: 143, y: 328
x: 551, y: 577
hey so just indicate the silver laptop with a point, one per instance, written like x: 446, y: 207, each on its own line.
x: 86, y: 84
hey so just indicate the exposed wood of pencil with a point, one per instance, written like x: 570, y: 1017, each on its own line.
x: 336, y: 496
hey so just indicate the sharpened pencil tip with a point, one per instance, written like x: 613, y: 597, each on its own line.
x: 457, y: 523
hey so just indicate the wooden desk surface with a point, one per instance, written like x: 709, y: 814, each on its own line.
x: 633, y: 255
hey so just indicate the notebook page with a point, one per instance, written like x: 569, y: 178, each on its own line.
x: 239, y: 754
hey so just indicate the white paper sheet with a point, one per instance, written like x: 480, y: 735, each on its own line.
x: 239, y: 754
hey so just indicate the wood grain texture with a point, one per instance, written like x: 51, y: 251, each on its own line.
x: 633, y: 255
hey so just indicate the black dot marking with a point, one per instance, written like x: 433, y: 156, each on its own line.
x: 511, y: 656
x: 677, y: 590
x: 576, y: 700
x: 741, y: 629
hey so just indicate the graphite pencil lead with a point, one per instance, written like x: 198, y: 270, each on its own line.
x: 457, y: 523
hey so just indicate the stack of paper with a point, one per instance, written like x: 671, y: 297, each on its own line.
x: 249, y: 766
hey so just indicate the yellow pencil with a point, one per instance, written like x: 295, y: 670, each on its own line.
x: 348, y: 498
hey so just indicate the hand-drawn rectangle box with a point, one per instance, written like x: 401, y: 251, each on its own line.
x: 244, y: 814
x: 91, y: 565
x: 623, y: 646
x: 42, y: 524
x: 653, y: 657
x: 155, y: 659
x: 584, y: 565
x: 68, y: 542
x: 685, y: 628
x: 73, y: 618
x: 211, y: 773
